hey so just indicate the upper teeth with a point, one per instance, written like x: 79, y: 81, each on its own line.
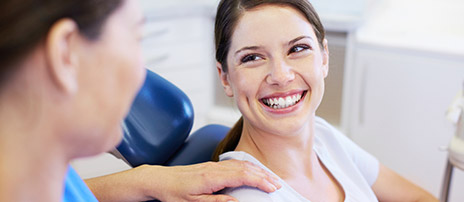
x: 282, y: 102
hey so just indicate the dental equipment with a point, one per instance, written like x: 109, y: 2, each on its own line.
x: 456, y: 146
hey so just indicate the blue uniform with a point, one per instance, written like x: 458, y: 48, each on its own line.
x: 75, y: 189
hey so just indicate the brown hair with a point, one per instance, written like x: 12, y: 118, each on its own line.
x: 24, y: 23
x: 227, y: 16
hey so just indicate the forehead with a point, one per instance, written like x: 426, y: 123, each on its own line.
x: 271, y: 23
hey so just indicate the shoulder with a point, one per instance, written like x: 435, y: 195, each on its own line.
x: 247, y: 194
x: 327, y: 133
x: 321, y: 125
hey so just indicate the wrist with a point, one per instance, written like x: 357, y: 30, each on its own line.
x: 149, y: 181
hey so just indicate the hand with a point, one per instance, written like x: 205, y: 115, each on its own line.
x: 198, y: 182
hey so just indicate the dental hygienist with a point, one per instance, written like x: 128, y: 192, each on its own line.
x: 69, y: 71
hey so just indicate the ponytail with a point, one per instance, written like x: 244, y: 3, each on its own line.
x: 230, y: 142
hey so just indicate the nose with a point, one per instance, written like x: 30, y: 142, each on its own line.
x: 280, y: 73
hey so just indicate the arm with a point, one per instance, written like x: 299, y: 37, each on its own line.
x: 390, y: 186
x: 181, y: 183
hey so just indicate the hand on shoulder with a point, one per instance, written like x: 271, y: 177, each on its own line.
x: 200, y: 181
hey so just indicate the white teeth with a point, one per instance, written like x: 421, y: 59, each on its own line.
x: 281, y: 102
x: 288, y: 101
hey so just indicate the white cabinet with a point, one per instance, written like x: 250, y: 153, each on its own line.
x: 399, y: 99
x: 407, y: 66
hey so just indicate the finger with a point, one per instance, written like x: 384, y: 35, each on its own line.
x: 240, y: 166
x: 258, y: 181
x: 216, y: 198
x: 246, y: 173
x: 270, y: 175
x: 255, y: 175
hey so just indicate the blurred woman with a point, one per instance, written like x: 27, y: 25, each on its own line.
x: 272, y: 59
x: 69, y: 71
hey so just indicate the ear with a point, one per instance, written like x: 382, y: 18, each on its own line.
x: 224, y: 77
x: 62, y: 62
x: 325, y: 58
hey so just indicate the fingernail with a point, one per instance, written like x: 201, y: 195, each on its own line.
x: 274, y: 188
x: 276, y: 183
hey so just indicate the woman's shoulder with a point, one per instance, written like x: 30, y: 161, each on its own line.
x: 322, y: 124
x: 247, y: 194
x: 330, y: 140
x: 326, y: 131
x: 253, y: 194
x: 244, y: 193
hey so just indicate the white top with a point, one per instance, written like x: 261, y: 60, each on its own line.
x: 355, y: 169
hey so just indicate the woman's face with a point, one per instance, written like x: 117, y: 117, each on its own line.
x: 276, y: 69
x: 110, y: 74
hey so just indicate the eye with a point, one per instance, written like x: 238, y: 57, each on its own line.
x: 250, y: 58
x: 298, y: 48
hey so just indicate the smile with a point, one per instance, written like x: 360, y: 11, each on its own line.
x: 283, y: 102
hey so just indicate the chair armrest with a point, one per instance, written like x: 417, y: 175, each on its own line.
x: 200, y: 145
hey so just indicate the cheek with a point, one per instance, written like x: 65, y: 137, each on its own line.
x: 312, y: 70
x: 130, y: 69
x: 245, y: 82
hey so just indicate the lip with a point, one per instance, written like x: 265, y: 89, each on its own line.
x: 288, y: 109
x: 283, y: 94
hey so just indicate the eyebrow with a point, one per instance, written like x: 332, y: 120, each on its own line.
x: 299, y: 38
x: 258, y: 47
x: 247, y: 48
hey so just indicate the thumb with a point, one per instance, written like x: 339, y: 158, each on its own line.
x: 216, y: 198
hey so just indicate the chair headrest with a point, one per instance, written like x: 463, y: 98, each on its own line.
x: 158, y: 123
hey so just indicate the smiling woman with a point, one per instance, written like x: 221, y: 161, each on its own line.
x: 272, y: 58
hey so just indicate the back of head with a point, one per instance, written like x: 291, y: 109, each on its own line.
x: 228, y: 15
x: 26, y: 23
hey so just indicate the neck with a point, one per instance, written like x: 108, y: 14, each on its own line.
x: 286, y: 155
x: 32, y: 164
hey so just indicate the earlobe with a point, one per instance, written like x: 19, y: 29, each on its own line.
x: 62, y: 62
x: 223, y: 76
x: 325, y: 58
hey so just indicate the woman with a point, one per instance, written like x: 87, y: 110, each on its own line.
x: 272, y: 59
x: 69, y: 71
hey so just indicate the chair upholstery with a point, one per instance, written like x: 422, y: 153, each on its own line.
x: 200, y: 146
x: 156, y: 130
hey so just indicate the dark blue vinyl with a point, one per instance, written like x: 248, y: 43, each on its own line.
x: 200, y: 145
x: 158, y: 123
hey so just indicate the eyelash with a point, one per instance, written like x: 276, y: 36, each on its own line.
x: 249, y: 58
x: 302, y: 46
x: 253, y: 57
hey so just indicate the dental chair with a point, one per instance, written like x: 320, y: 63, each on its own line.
x: 157, y: 128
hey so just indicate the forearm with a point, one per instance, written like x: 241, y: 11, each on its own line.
x: 181, y: 183
x: 122, y: 186
x: 392, y: 187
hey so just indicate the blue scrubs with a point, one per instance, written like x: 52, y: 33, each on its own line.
x: 75, y: 189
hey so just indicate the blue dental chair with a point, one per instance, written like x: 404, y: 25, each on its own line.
x: 157, y: 128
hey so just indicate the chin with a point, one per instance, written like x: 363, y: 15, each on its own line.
x: 107, y: 141
x: 114, y: 138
